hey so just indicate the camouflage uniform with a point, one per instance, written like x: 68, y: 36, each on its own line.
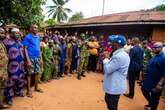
x: 147, y: 57
x: 3, y: 70
x: 56, y: 59
x: 84, y: 55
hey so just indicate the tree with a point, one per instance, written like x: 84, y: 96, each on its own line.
x: 159, y: 8
x: 51, y: 22
x: 77, y: 16
x: 21, y: 12
x: 58, y: 10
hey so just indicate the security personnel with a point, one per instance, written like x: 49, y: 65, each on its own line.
x: 84, y: 54
x: 155, y: 79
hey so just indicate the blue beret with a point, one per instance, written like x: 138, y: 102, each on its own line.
x: 120, y: 39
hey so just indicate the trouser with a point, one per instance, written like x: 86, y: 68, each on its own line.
x: 74, y: 64
x: 2, y: 87
x: 14, y: 85
x: 137, y: 75
x: 62, y: 68
x: 152, y: 98
x: 163, y: 91
x: 55, y: 69
x: 92, y: 62
x: 112, y: 101
x: 82, y: 67
x: 131, y: 80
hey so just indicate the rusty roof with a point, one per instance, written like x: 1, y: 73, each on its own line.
x: 134, y: 17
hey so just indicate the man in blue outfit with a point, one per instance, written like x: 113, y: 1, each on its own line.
x: 62, y: 57
x: 115, y: 72
x: 155, y: 78
x: 31, y: 43
x: 136, y: 64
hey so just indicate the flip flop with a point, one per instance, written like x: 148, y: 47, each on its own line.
x: 146, y: 107
x: 39, y: 90
x: 29, y: 95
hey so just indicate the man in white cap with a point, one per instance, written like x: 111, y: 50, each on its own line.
x: 15, y: 80
x: 155, y: 79
x: 115, y: 72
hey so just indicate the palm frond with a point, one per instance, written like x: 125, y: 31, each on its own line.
x: 61, y: 2
x: 50, y: 13
x: 68, y: 10
x: 65, y: 16
x: 51, y: 6
x: 66, y: 1
x: 55, y: 2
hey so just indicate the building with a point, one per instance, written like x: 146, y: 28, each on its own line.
x: 143, y: 24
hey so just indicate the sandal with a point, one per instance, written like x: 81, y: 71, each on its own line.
x: 29, y: 95
x: 39, y: 90
x: 146, y: 107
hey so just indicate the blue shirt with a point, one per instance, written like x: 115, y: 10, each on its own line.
x: 155, y: 70
x: 32, y: 42
x: 115, y: 72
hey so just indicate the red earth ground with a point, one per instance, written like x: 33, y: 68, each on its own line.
x: 72, y: 94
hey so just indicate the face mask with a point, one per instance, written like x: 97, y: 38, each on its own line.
x: 17, y: 37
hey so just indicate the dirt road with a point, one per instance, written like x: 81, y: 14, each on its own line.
x: 72, y: 94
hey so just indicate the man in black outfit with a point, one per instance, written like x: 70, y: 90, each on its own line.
x: 136, y: 62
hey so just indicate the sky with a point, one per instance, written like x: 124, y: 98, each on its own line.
x: 91, y: 8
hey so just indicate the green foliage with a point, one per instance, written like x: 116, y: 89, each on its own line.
x: 76, y: 17
x: 159, y: 8
x: 51, y: 22
x: 21, y: 12
x: 58, y: 11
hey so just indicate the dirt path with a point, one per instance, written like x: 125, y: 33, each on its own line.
x: 71, y: 94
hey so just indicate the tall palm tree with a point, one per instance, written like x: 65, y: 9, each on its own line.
x: 58, y: 10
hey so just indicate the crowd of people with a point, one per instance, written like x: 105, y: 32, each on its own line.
x: 28, y: 61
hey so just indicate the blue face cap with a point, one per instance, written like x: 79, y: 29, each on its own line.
x: 120, y: 39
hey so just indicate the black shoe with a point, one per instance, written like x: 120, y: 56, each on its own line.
x: 129, y: 96
x: 10, y: 103
x: 79, y: 77
x: 83, y: 75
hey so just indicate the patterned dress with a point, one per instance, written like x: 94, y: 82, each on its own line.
x: 69, y: 57
x: 15, y: 81
x: 47, y: 57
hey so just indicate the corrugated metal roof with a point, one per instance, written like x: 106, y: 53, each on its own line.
x: 126, y: 17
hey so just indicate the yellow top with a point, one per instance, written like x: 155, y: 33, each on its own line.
x: 93, y: 46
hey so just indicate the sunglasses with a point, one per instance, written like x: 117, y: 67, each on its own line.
x: 157, y: 47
